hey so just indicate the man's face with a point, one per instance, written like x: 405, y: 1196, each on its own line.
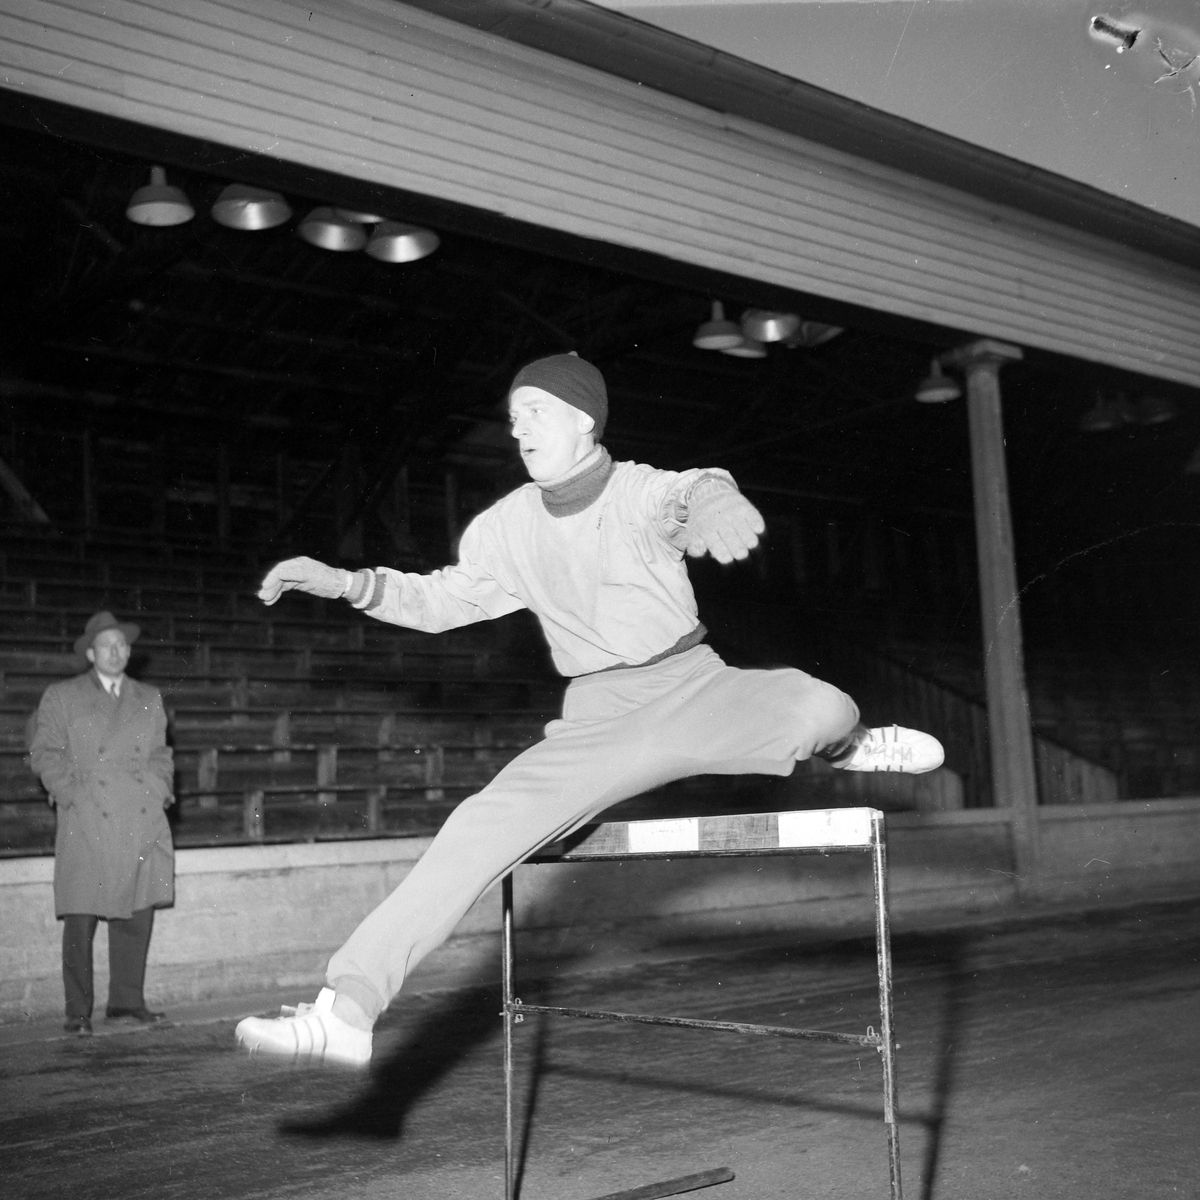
x: 552, y: 435
x: 109, y: 653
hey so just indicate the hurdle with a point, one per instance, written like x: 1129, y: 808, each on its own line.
x: 814, y: 831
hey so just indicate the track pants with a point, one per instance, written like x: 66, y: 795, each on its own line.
x: 622, y: 732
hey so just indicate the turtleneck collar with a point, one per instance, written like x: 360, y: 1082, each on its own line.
x: 577, y: 488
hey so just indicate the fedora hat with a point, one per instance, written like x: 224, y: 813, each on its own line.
x: 97, y: 624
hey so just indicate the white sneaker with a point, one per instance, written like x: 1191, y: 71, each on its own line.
x: 309, y: 1033
x: 895, y: 748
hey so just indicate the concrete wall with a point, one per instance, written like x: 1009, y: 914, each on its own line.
x: 255, y: 918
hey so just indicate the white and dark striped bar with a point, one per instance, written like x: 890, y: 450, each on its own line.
x: 821, y: 830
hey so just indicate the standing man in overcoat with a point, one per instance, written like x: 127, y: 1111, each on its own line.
x: 100, y: 748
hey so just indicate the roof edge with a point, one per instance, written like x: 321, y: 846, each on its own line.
x: 631, y: 49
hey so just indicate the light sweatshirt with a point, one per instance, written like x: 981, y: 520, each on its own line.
x: 608, y: 584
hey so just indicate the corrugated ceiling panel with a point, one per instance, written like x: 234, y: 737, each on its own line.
x: 377, y: 91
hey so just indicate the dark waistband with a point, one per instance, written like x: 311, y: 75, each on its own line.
x: 689, y: 640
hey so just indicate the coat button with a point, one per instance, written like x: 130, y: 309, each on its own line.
x: 143, y: 810
x: 101, y: 749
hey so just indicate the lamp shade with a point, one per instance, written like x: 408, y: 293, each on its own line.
x: 359, y: 218
x: 393, y: 242
x: 746, y: 348
x: 937, y: 388
x: 762, y: 326
x: 717, y: 333
x: 158, y: 203
x: 812, y: 333
x: 1108, y: 412
x: 325, y: 228
x: 240, y: 206
x: 1154, y: 410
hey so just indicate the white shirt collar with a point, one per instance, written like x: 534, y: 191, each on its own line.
x: 111, y: 686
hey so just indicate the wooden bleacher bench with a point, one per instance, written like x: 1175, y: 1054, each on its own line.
x: 115, y: 572
x: 187, y: 659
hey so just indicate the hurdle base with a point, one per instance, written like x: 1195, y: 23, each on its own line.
x: 673, y: 1187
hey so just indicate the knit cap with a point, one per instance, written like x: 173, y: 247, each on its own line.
x: 573, y: 380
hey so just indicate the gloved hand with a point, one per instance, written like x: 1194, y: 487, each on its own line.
x: 721, y: 522
x: 305, y: 575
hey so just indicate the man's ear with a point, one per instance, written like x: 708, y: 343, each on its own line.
x: 90, y: 654
x: 585, y: 423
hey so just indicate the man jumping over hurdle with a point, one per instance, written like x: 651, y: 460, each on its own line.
x: 595, y: 549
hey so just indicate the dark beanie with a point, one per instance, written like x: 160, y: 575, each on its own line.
x: 572, y: 380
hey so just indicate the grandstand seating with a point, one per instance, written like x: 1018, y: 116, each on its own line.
x: 292, y: 723
x: 307, y: 720
x: 1135, y: 714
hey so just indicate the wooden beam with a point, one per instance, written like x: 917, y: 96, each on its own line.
x: 20, y: 495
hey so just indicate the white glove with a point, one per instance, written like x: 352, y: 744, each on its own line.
x: 305, y: 575
x: 721, y: 522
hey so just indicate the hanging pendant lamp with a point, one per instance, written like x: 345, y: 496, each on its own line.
x: 1107, y: 413
x: 359, y: 218
x: 325, y: 228
x: 717, y: 333
x: 241, y: 206
x: 937, y: 388
x: 812, y: 334
x: 394, y: 242
x: 762, y: 326
x: 158, y: 203
x: 746, y: 348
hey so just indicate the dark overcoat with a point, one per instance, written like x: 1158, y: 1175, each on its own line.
x: 109, y: 771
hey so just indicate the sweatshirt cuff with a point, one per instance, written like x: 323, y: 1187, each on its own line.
x: 361, y: 584
x: 371, y: 596
x: 708, y: 485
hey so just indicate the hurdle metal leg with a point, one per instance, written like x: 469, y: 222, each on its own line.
x: 883, y: 959
x: 613, y: 841
x: 510, y: 1018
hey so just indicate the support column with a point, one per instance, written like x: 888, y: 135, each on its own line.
x: 1014, y: 775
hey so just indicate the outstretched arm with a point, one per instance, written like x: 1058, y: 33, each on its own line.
x: 305, y: 575
x: 719, y: 520
x: 444, y: 599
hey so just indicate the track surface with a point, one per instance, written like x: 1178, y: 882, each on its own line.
x: 1057, y: 1059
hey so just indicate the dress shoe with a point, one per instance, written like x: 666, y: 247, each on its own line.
x: 78, y: 1025
x: 143, y: 1016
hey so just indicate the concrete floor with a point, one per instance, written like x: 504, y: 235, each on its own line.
x: 1052, y: 1058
